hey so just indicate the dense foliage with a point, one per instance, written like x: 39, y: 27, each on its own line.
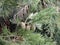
x: 43, y: 14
